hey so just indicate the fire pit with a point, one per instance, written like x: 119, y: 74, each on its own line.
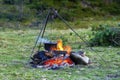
x: 56, y: 56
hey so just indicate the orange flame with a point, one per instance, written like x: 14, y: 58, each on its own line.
x: 63, y: 48
x: 68, y: 49
x: 59, y: 45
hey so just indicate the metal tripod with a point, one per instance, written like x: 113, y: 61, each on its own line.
x: 42, y: 31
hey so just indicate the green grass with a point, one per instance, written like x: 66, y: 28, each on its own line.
x: 16, y: 46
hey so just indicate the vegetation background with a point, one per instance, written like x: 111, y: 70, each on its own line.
x: 29, y: 12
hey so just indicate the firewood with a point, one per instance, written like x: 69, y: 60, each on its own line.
x: 49, y: 54
x: 79, y: 58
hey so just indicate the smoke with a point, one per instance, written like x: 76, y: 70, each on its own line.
x: 43, y: 40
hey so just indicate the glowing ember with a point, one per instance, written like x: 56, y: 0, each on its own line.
x: 59, y: 61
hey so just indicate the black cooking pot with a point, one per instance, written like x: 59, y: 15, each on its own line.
x: 48, y: 46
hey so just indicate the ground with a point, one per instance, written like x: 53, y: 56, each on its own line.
x: 16, y: 47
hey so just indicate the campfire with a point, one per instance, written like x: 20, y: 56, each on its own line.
x: 56, y: 55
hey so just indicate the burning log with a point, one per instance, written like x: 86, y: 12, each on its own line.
x: 63, y: 53
x: 79, y: 58
x: 38, y: 57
